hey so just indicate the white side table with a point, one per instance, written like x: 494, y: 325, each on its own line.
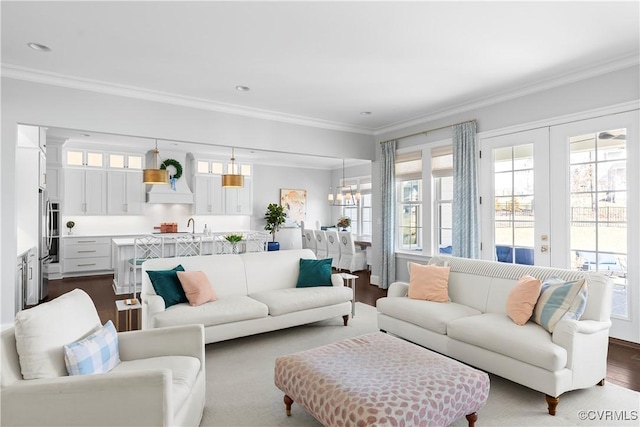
x: 351, y: 282
x: 127, y: 308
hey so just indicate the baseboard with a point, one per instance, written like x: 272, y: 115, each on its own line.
x: 374, y: 280
x: 630, y: 344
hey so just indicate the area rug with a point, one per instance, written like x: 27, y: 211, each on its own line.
x: 241, y: 392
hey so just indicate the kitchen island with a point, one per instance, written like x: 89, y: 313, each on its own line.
x: 211, y: 244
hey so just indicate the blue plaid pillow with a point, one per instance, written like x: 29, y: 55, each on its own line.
x: 95, y: 354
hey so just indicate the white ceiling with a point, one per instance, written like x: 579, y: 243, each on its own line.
x: 324, y: 62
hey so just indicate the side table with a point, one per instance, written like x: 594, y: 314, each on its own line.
x: 127, y: 308
x: 351, y: 282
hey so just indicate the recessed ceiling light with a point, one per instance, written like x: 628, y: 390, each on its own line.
x: 243, y: 88
x: 39, y: 47
x: 366, y: 113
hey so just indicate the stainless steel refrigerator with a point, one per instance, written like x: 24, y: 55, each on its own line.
x: 44, y: 246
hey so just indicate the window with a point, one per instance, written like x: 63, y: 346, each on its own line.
x: 409, y: 200
x: 360, y: 214
x: 442, y: 173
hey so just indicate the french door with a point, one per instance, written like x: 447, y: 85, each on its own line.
x: 514, y: 186
x: 568, y: 196
x: 595, y: 168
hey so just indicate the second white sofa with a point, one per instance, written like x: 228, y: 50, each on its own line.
x: 256, y: 293
x: 473, y: 327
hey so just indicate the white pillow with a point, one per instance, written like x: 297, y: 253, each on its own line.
x: 43, y: 330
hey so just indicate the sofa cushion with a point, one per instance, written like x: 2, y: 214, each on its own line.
x: 529, y: 343
x: 430, y: 315
x: 167, y: 285
x: 283, y: 301
x: 560, y: 300
x: 95, y: 354
x: 184, y: 371
x: 314, y: 272
x: 428, y: 282
x: 197, y: 287
x: 522, y: 299
x: 228, y: 309
x: 42, y: 331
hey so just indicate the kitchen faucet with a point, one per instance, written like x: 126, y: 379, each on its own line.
x: 193, y: 225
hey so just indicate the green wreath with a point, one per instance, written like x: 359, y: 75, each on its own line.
x: 176, y: 164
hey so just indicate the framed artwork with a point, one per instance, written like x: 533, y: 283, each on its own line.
x: 294, y: 203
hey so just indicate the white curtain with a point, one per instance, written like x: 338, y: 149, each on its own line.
x: 388, y: 191
x: 466, y: 241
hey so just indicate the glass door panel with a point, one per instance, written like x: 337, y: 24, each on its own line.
x: 513, y: 166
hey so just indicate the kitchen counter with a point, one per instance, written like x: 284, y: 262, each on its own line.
x: 123, y: 251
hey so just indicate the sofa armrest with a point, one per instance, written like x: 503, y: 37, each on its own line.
x: 398, y: 289
x: 115, y: 399
x: 337, y: 280
x: 587, y: 344
x: 187, y: 340
x: 151, y: 305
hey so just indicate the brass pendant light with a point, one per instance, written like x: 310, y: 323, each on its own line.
x: 157, y: 175
x: 233, y: 180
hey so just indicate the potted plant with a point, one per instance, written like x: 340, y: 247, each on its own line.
x: 344, y: 222
x: 234, y: 239
x: 70, y: 225
x: 275, y: 217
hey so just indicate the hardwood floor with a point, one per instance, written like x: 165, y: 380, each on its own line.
x: 623, y: 366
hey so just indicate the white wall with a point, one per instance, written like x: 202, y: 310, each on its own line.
x: 41, y: 104
x: 614, y: 88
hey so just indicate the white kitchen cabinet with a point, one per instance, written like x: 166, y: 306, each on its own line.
x: 85, y: 192
x: 86, y: 255
x: 53, y: 182
x: 125, y: 192
x: 208, y: 197
x: 238, y: 200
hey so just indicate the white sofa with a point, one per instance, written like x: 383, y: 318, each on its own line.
x: 160, y: 380
x: 256, y: 293
x: 474, y: 327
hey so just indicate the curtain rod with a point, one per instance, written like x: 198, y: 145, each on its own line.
x: 427, y: 131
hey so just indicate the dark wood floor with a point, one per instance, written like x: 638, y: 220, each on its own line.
x: 623, y: 364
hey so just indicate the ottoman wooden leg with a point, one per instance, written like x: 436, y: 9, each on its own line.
x: 472, y: 418
x: 553, y: 403
x: 287, y: 404
x: 345, y: 319
x: 601, y: 382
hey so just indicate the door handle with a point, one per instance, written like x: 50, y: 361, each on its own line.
x: 544, y: 248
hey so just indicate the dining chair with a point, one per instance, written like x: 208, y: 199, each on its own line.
x: 322, y: 250
x: 333, y: 246
x: 309, y: 239
x: 351, y: 258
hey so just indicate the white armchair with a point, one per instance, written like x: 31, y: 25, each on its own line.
x: 160, y: 380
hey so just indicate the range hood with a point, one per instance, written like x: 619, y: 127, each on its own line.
x: 161, y: 193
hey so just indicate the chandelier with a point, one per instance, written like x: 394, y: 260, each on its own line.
x: 345, y: 195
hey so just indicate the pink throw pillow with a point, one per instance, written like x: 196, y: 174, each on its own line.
x: 522, y: 299
x: 429, y: 282
x: 196, y: 287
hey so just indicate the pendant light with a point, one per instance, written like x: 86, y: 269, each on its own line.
x: 232, y: 179
x: 345, y: 195
x: 157, y: 175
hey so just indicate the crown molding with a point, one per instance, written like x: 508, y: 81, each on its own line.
x: 37, y: 76
x: 528, y: 89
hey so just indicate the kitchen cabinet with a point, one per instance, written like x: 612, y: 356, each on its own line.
x: 33, y: 275
x: 238, y: 200
x: 86, y: 255
x: 208, y: 196
x: 54, y: 177
x: 85, y: 192
x: 125, y: 192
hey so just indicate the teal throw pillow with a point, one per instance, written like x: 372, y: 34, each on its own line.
x: 314, y: 272
x: 167, y: 285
